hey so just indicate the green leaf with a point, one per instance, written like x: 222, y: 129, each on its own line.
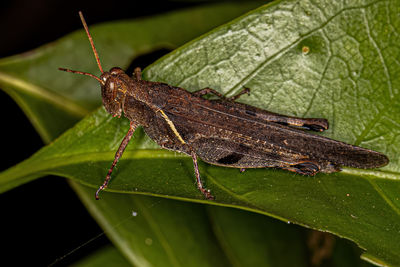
x: 107, y: 256
x: 317, y: 59
x: 145, y: 241
x: 253, y: 240
x: 161, y: 232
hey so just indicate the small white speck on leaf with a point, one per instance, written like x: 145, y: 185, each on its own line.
x: 148, y: 241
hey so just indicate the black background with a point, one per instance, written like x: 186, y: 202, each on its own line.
x: 43, y: 220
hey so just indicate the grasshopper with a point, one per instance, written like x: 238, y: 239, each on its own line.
x: 221, y: 131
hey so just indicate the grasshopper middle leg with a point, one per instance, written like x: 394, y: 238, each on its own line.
x: 203, y: 190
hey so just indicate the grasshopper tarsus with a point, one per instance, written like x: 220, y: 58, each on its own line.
x: 245, y: 90
x: 207, y: 91
x: 208, y: 195
x: 96, y: 195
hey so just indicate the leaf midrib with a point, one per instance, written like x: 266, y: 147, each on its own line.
x: 40, y: 165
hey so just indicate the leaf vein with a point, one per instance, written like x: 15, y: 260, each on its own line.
x: 378, y: 50
x: 275, y: 56
x: 384, y: 196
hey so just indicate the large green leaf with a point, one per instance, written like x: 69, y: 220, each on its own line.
x: 146, y: 242
x: 159, y: 232
x: 310, y: 58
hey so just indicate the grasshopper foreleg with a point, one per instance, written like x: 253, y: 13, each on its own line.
x: 118, y: 155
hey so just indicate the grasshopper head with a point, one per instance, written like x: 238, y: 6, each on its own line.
x: 114, y: 83
x: 113, y: 90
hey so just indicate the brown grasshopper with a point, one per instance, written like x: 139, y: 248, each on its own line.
x: 222, y: 132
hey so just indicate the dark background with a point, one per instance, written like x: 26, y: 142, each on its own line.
x: 43, y: 220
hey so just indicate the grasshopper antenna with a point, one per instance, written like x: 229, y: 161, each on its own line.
x: 94, y: 52
x: 83, y: 73
x: 91, y: 41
